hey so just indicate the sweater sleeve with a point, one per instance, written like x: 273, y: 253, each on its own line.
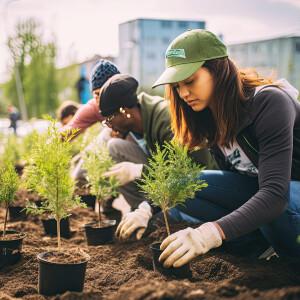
x: 86, y: 116
x: 273, y: 128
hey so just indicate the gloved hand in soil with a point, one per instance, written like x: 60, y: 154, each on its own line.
x: 125, y: 172
x: 135, y: 220
x: 182, y: 246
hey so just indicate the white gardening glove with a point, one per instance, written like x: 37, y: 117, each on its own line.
x: 137, y: 219
x: 182, y: 246
x: 125, y: 172
x: 104, y: 136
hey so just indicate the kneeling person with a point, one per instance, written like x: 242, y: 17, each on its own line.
x: 145, y: 121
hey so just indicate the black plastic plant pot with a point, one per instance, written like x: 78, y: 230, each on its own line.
x: 181, y: 272
x: 89, y: 200
x: 17, y: 213
x: 19, y: 169
x: 96, y: 235
x: 57, y: 278
x: 10, y: 250
x: 51, y: 229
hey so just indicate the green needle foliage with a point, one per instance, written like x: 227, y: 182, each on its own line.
x: 171, y: 178
x: 97, y: 161
x: 9, y: 184
x: 11, y: 151
x: 48, y: 173
x: 27, y: 144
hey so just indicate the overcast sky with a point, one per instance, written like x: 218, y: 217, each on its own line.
x: 83, y: 28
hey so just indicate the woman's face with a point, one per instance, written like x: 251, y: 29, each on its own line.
x: 196, y: 90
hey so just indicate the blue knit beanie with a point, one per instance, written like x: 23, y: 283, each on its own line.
x: 103, y: 70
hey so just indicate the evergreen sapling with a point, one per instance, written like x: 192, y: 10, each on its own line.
x: 97, y: 161
x: 171, y: 178
x: 48, y: 174
x: 9, y: 184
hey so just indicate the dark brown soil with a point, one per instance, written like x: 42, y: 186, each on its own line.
x: 23, y: 196
x: 70, y: 256
x: 11, y: 236
x: 96, y: 225
x: 123, y: 271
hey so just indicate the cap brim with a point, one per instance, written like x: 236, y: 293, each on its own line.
x: 178, y: 73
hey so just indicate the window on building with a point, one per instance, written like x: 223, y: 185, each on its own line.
x: 166, y: 24
x: 183, y: 24
x: 297, y: 46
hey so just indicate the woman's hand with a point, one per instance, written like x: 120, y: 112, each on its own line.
x: 181, y: 247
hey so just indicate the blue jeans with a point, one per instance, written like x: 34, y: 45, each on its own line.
x: 226, y: 192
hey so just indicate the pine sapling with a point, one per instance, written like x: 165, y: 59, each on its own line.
x: 48, y: 174
x: 11, y: 151
x: 171, y: 178
x: 97, y: 161
x: 9, y: 184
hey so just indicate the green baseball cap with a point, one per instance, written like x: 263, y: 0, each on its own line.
x: 188, y: 52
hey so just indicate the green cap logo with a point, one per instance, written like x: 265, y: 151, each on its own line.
x: 179, y: 53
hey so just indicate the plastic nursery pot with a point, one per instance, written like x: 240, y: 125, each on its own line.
x: 17, y: 213
x: 19, y: 169
x: 10, y: 247
x: 57, y: 277
x: 50, y: 227
x: 96, y: 235
x: 181, y: 272
x: 89, y: 200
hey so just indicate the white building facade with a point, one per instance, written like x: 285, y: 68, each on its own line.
x: 277, y: 57
x: 143, y: 43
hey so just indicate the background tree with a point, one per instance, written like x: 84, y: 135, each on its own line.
x: 35, y: 61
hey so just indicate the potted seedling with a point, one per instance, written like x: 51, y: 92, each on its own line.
x: 29, y: 150
x: 48, y: 173
x: 10, y: 240
x: 11, y: 155
x: 79, y: 145
x: 97, y: 161
x: 170, y: 179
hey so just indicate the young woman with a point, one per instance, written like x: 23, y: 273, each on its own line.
x: 253, y: 129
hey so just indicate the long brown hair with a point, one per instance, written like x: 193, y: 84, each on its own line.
x: 218, y: 125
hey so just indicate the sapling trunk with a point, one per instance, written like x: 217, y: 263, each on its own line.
x: 58, y: 233
x: 99, y: 212
x: 5, y: 219
x: 57, y: 208
x: 165, y: 210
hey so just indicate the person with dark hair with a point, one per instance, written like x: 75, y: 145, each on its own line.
x: 14, y: 116
x: 145, y: 121
x: 66, y: 111
x: 88, y: 114
x: 252, y: 126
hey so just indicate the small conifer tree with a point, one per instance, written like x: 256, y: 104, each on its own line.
x: 171, y: 178
x: 9, y: 184
x: 48, y: 174
x: 97, y: 161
